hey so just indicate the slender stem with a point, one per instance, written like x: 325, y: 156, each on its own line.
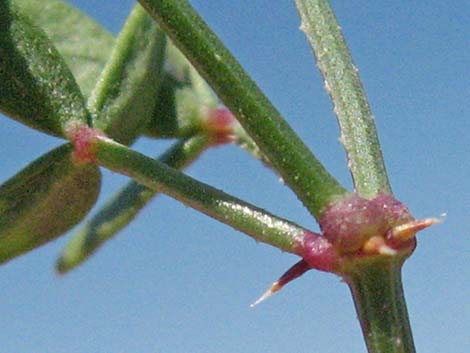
x: 286, y: 152
x: 358, y: 132
x: 156, y: 175
x: 123, y: 207
x: 378, y: 296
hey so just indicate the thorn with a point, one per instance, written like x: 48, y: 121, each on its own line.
x: 408, y: 230
x: 292, y: 273
x: 386, y: 250
x: 273, y: 289
x: 377, y: 245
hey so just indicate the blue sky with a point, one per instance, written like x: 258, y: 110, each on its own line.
x: 176, y: 281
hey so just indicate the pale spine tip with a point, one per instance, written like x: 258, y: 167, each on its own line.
x: 273, y: 289
x: 408, y: 230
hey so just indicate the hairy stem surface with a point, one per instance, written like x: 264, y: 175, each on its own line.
x: 358, y: 132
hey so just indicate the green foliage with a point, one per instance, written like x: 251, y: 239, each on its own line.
x: 83, y: 43
x: 287, y: 153
x: 44, y: 200
x: 123, y: 100
x: 36, y: 86
x: 119, y: 211
x: 182, y: 100
x: 140, y: 85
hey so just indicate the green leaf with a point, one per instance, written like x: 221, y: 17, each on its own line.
x: 84, y: 44
x: 182, y: 101
x: 44, y: 200
x: 122, y: 102
x: 119, y: 211
x: 36, y: 86
x: 164, y: 122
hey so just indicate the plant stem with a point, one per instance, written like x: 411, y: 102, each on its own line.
x: 378, y: 296
x: 286, y: 152
x: 257, y: 223
x: 358, y: 132
x: 119, y: 211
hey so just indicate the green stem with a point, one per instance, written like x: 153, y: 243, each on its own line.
x: 358, y: 131
x: 119, y: 211
x: 156, y: 175
x: 378, y: 296
x: 286, y: 152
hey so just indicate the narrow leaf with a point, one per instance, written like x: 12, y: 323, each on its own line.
x: 44, y: 200
x: 36, y: 86
x: 183, y: 102
x: 183, y: 99
x: 83, y: 43
x: 119, y: 211
x: 123, y: 101
x: 164, y: 122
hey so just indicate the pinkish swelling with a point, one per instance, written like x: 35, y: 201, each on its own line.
x: 354, y: 228
x: 83, y: 138
x: 351, y: 222
x: 317, y: 252
x: 219, y: 123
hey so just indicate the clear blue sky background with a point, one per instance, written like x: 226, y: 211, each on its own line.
x: 175, y: 281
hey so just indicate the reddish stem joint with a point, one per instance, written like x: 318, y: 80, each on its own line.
x: 352, y: 229
x: 219, y: 123
x: 83, y: 139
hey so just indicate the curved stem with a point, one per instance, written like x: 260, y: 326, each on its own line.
x: 358, y: 132
x: 380, y: 304
x: 286, y: 152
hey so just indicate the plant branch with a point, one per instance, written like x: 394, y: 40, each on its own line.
x: 358, y: 132
x: 286, y: 152
x: 157, y: 176
x: 380, y: 304
x: 119, y: 211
